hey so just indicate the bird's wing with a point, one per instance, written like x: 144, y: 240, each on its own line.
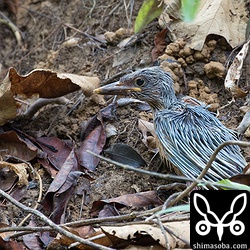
x: 189, y: 136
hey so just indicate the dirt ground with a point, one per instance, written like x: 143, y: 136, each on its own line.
x: 46, y: 25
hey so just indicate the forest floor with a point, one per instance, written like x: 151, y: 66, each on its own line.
x: 94, y: 28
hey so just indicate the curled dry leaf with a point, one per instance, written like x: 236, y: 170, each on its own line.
x: 149, y: 140
x: 94, y: 137
x: 49, y: 84
x: 173, y: 9
x: 160, y: 44
x: 141, y: 199
x: 242, y: 179
x: 10, y: 244
x: 13, y: 145
x: 57, y: 151
x: 8, y: 108
x: 44, y: 83
x: 61, y: 188
x: 19, y: 169
x: 86, y: 232
x: 134, y: 233
x: 234, y: 73
x: 227, y: 18
x: 32, y: 241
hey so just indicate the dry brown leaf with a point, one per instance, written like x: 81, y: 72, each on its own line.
x: 8, y: 108
x: 227, y: 18
x: 19, y: 169
x: 234, y: 73
x: 96, y: 236
x: 49, y: 84
x: 173, y: 9
x: 13, y: 145
x: 160, y: 44
x: 86, y: 83
x: 131, y: 232
x: 150, y: 141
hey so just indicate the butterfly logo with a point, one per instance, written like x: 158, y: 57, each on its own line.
x: 203, y: 227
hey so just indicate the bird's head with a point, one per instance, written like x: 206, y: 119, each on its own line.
x: 152, y: 85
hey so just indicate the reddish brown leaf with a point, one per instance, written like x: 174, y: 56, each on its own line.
x: 82, y: 231
x: 94, y: 122
x: 109, y: 210
x: 56, y: 149
x: 241, y: 178
x: 49, y: 84
x: 160, y: 44
x: 60, y: 190
x: 94, y: 137
x: 141, y: 199
x: 62, y: 197
x: 18, y: 192
x: 45, y: 83
x: 46, y: 238
x: 61, y: 240
x: 12, y: 6
x: 94, y: 142
x: 7, y: 179
x: 13, y: 145
x: 13, y: 245
x: 56, y: 201
x: 32, y: 240
x: 69, y: 165
x: 107, y: 113
x: 247, y: 169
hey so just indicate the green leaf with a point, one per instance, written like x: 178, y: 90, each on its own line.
x: 179, y: 208
x: 234, y: 185
x: 189, y: 9
x: 148, y: 12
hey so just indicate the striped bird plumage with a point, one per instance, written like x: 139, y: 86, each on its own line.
x: 188, y: 134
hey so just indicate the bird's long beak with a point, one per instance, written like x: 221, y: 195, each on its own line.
x: 116, y: 88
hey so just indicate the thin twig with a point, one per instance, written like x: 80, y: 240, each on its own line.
x: 13, y: 27
x: 244, y: 123
x: 94, y: 39
x: 41, y: 102
x: 38, y: 199
x: 204, y: 171
x: 56, y: 227
x: 172, y: 176
x: 177, y: 236
x: 38, y: 45
x: 154, y: 174
x: 20, y: 230
x: 159, y: 223
x: 33, y: 174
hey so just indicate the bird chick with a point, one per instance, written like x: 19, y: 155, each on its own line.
x: 188, y: 134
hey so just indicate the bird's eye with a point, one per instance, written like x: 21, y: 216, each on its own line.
x: 139, y: 82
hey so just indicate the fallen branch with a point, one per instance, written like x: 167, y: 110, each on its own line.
x: 204, y: 171
x: 54, y: 226
x: 195, y: 182
x: 13, y: 27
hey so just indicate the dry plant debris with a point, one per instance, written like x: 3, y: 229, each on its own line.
x: 67, y: 196
x: 224, y: 18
